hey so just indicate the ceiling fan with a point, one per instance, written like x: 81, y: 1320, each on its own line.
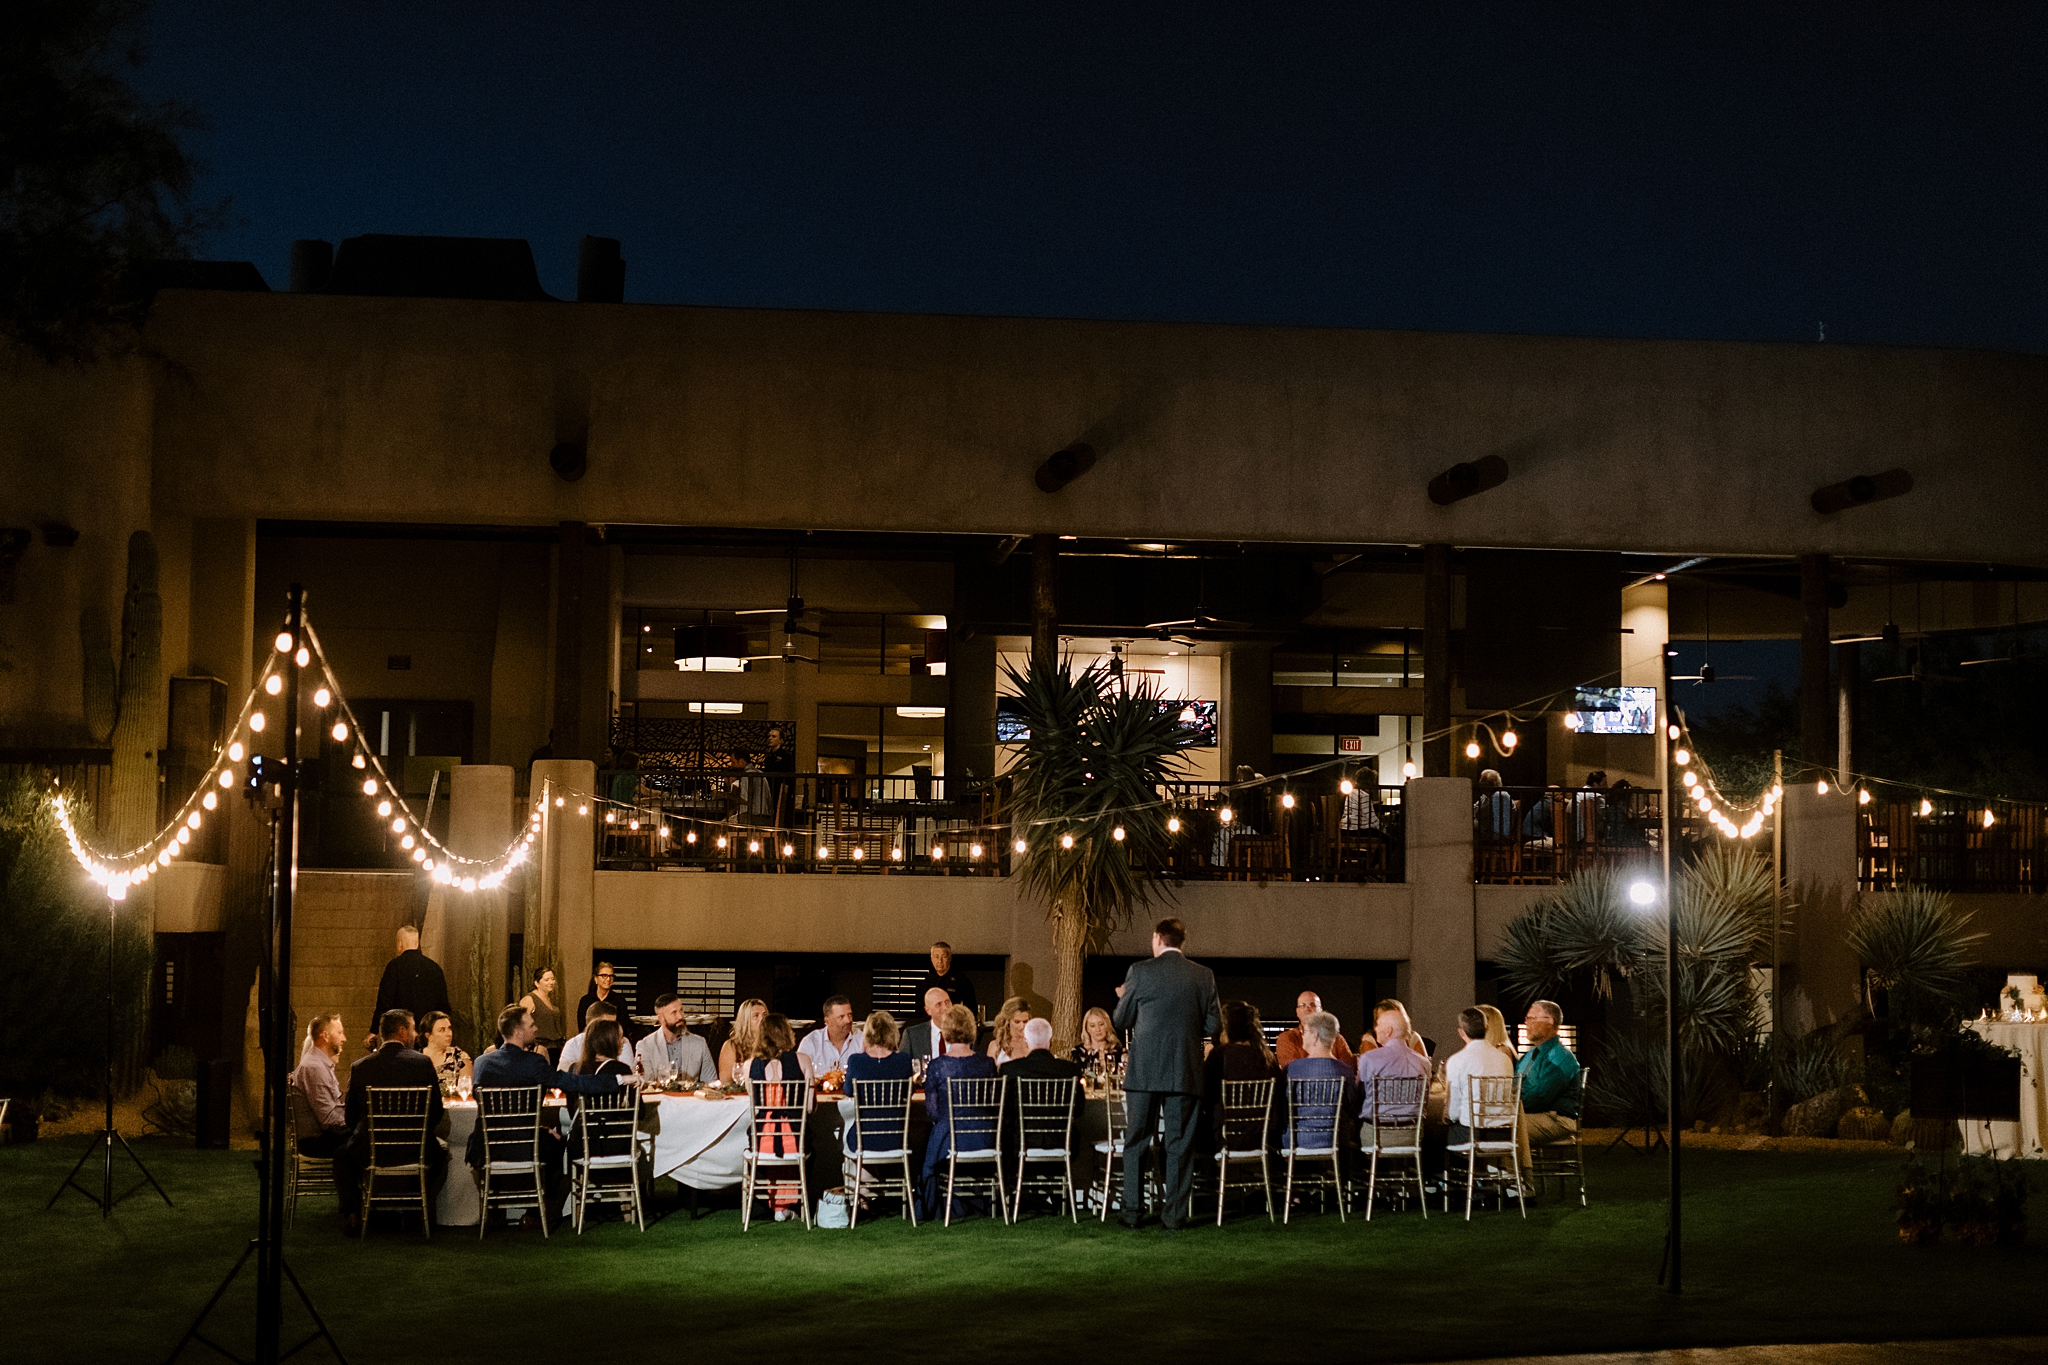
x: 792, y: 610
x: 2012, y: 649
x: 1918, y: 673
x: 1707, y: 674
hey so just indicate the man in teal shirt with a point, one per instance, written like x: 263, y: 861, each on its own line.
x: 1550, y: 1078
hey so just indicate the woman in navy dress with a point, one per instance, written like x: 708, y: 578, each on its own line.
x: 960, y: 1062
x: 878, y: 1061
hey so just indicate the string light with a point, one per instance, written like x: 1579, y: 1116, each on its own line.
x: 340, y: 731
x: 1681, y: 757
x: 256, y: 721
x: 227, y: 777
x: 1926, y: 806
x: 896, y: 854
x: 235, y: 752
x: 1863, y: 796
x: 1821, y: 786
x: 303, y: 657
x: 321, y: 696
x: 1226, y: 815
x: 1019, y: 846
x: 1344, y: 785
x: 1472, y: 749
x: 273, y: 684
x: 1287, y: 800
x: 283, y: 641
x: 858, y: 853
x: 1172, y: 826
x: 1117, y: 834
x: 358, y: 761
x: 788, y: 849
x: 1509, y: 739
x: 384, y: 809
x: 1066, y: 841
x: 1407, y: 770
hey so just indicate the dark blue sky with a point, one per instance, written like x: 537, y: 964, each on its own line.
x: 1645, y: 170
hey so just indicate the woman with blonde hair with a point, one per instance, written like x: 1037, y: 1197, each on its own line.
x: 1008, y: 1044
x: 736, y: 1051
x: 1497, y: 1033
x: 1099, y: 1049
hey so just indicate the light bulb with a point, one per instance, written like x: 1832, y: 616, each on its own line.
x: 974, y: 850
x: 322, y: 697
x: 235, y: 752
x: 192, y: 820
x: 1346, y: 787
x: 1472, y: 749
x: 340, y: 731
x: 611, y: 817
x: 358, y: 762
x: 857, y: 853
x: 753, y: 845
x: 1287, y: 800
x: 1926, y: 806
x: 273, y: 684
x: 256, y: 721
x: 406, y: 842
x: 1509, y: 739
x: 1863, y: 796
x: 443, y: 875
x: 419, y: 855
x: 398, y: 825
x: 303, y: 657
x: 384, y: 809
x: 184, y: 835
x: 1117, y: 834
x: 1172, y: 825
x: 1407, y: 770
x: 283, y: 641
x: 558, y: 801
x: 690, y: 837
x: 1642, y: 893
x: 227, y: 778
x: 788, y: 850
x: 1226, y: 815
x: 1018, y: 847
x: 895, y: 855
x: 427, y: 863
x: 1989, y: 819
x: 1681, y: 757
x: 369, y: 786
x: 1066, y: 841
x: 1689, y: 779
x: 721, y: 841
x: 1671, y: 731
x: 1571, y: 720
x: 209, y: 800
x: 824, y: 851
x: 469, y: 883
x: 1821, y: 786
x: 583, y: 810
x: 938, y: 852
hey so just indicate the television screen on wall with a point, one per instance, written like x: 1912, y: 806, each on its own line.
x: 1197, y: 716
x: 1615, y: 710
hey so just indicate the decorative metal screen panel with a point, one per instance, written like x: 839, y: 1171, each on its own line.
x: 708, y: 990
x: 673, y: 751
x: 895, y: 989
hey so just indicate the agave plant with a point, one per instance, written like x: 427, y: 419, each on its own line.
x: 1916, y: 946
x: 1084, y: 798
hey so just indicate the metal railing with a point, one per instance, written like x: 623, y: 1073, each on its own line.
x: 1542, y: 835
x: 1948, y: 844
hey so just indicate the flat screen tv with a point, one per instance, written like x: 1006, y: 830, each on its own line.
x: 1194, y: 715
x: 1616, y: 710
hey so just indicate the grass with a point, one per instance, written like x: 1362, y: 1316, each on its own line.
x: 1780, y: 1247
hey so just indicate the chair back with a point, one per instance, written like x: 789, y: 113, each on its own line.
x: 397, y: 1117
x: 1117, y: 1112
x: 974, y: 1107
x: 1247, y: 1113
x: 608, y: 1121
x: 1492, y: 1101
x: 1312, y: 1104
x: 881, y: 1120
x: 510, y: 1119
x: 1045, y: 1112
x: 782, y: 1110
x: 1397, y: 1104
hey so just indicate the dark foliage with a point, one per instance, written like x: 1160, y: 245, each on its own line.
x: 92, y: 177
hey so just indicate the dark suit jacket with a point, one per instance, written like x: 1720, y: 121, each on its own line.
x: 516, y: 1069
x: 412, y: 981
x: 1168, y: 1008
x: 394, y: 1064
x: 919, y: 1040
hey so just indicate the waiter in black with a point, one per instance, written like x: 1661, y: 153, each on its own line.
x: 412, y: 981
x: 1165, y: 1008
x: 953, y: 983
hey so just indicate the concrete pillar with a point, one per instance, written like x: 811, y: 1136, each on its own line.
x: 1816, y: 708
x: 970, y: 708
x: 564, y: 885
x: 1033, y: 970
x: 1246, y: 736
x: 471, y: 927
x: 1440, y: 979
x: 1820, y: 870
x: 1436, y: 661
x: 566, y: 734
x: 1848, y: 702
x: 1045, y: 610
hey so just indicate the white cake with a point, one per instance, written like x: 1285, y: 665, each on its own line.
x: 2032, y: 998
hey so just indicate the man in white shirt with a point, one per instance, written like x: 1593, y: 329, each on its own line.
x: 829, y: 1045
x: 922, y: 1038
x: 672, y: 1047
x: 1477, y: 1058
x: 572, y: 1050
x: 318, y: 1089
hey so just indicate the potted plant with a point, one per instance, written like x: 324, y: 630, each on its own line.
x: 1919, y: 1203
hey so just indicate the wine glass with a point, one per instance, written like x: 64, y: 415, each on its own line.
x: 464, y: 1087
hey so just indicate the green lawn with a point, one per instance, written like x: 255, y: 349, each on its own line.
x: 1780, y: 1247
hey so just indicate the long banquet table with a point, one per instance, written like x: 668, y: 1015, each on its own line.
x: 2024, y: 1138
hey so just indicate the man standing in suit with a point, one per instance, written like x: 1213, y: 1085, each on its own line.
x: 1166, y: 1008
x: 395, y: 1063
x: 412, y: 982
x: 922, y: 1039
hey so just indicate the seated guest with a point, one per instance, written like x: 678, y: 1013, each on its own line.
x: 395, y: 1063
x: 322, y: 1120
x: 738, y: 1049
x: 1038, y: 1061
x: 829, y: 1045
x: 437, y: 1043
x: 1312, y: 1126
x: 1290, y: 1045
x: 1550, y: 1078
x: 1476, y: 1058
x: 878, y: 1060
x: 1008, y: 1043
x: 1099, y: 1049
x: 513, y: 1064
x: 603, y: 1041
x: 572, y: 1051
x: 923, y: 1039
x: 776, y: 1061
x: 1240, y: 1054
x: 1497, y: 1033
x: 1493, y: 811
x: 1392, y: 1058
x: 672, y: 1048
x: 775, y: 1054
x: 1413, y: 1039
x: 960, y: 1062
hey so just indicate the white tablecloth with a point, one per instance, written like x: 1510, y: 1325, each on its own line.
x: 2025, y: 1137
x: 696, y: 1142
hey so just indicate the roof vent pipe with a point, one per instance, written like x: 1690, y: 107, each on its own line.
x: 600, y: 271
x: 312, y: 266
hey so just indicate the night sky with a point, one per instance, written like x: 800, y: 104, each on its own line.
x: 1722, y: 172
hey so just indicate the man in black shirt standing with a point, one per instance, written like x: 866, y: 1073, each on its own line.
x: 412, y: 981
x: 942, y: 975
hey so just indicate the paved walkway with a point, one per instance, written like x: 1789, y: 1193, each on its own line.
x: 1977, y: 1351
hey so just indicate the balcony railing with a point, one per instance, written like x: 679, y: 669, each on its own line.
x: 1949, y: 844
x: 1542, y: 835
x: 844, y: 825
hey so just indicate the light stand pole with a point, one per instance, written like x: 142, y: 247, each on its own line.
x: 275, y: 1023
x: 1671, y: 1079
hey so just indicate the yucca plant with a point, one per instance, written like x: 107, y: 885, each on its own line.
x: 1918, y: 948
x: 1097, y: 754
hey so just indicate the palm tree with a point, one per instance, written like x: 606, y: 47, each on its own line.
x: 1084, y: 801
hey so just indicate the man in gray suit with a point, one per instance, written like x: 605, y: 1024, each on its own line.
x: 922, y: 1039
x: 1166, y: 1008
